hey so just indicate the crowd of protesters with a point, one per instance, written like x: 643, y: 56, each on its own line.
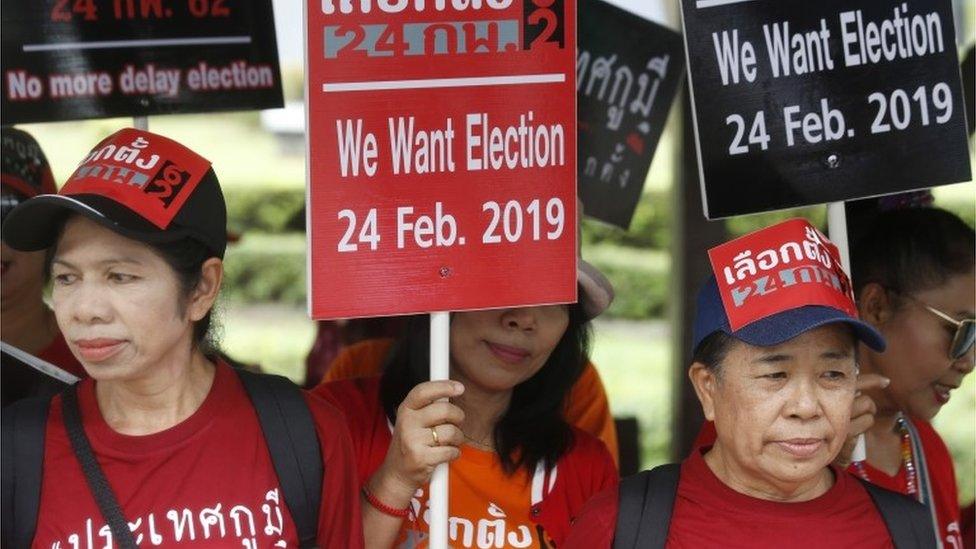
x: 124, y: 426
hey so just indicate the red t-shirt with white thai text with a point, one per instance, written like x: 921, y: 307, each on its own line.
x: 707, y: 513
x: 206, y: 482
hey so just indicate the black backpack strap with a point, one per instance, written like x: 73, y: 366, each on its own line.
x: 632, y: 491
x: 646, y: 504
x: 21, y: 468
x: 907, y: 520
x: 289, y: 432
x: 108, y: 504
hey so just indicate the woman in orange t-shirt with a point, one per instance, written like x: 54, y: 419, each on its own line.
x: 519, y: 472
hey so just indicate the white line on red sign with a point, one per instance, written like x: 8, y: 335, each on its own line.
x: 712, y: 3
x: 162, y: 42
x: 514, y: 80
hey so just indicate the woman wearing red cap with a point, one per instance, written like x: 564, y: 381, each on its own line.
x: 163, y: 445
x: 519, y: 472
x: 774, y: 366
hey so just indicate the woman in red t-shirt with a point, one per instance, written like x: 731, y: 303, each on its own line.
x: 914, y: 279
x: 775, y: 370
x: 519, y: 472
x: 161, y: 445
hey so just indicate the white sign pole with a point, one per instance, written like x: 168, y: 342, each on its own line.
x: 440, y: 330
x: 837, y: 227
x: 40, y: 365
x: 141, y: 123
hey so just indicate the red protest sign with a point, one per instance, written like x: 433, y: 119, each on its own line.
x: 780, y: 268
x: 442, y: 155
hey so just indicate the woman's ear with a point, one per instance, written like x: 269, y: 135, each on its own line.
x: 874, y: 305
x: 205, y: 294
x: 705, y: 382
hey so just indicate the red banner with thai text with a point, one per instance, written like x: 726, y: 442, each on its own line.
x: 788, y: 265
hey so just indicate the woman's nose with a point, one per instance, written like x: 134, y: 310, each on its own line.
x: 803, y: 403
x: 521, y: 318
x: 966, y: 362
x: 87, y: 304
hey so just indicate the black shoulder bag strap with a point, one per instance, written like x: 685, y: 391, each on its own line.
x: 97, y: 483
x: 22, y: 464
x: 646, y: 504
x: 907, y: 520
x: 289, y: 432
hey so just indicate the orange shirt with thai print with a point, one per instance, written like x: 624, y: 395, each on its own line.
x: 487, y: 507
x: 587, y: 407
x: 484, y: 502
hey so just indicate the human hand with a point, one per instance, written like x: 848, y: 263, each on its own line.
x: 427, y: 433
x: 862, y: 415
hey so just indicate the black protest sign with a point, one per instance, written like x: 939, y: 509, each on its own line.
x: 76, y: 59
x: 627, y: 72
x: 800, y: 103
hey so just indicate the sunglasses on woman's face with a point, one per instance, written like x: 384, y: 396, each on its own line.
x: 962, y: 339
x: 965, y: 334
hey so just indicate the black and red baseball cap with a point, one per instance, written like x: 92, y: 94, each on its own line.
x: 141, y: 185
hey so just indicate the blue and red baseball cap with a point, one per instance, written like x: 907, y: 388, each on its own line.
x: 141, y: 185
x: 775, y: 284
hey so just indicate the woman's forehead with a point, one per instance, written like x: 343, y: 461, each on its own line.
x: 956, y: 296
x: 87, y: 241
x: 833, y: 341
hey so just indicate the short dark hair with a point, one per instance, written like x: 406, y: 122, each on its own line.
x: 912, y: 250
x: 712, y: 350
x: 533, y: 428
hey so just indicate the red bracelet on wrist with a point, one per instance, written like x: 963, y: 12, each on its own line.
x: 382, y: 507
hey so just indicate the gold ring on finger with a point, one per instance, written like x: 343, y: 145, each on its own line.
x: 433, y: 435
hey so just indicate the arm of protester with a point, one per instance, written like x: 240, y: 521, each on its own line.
x: 362, y: 359
x: 412, y: 456
x: 589, y: 410
x: 340, y: 521
x: 862, y: 415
